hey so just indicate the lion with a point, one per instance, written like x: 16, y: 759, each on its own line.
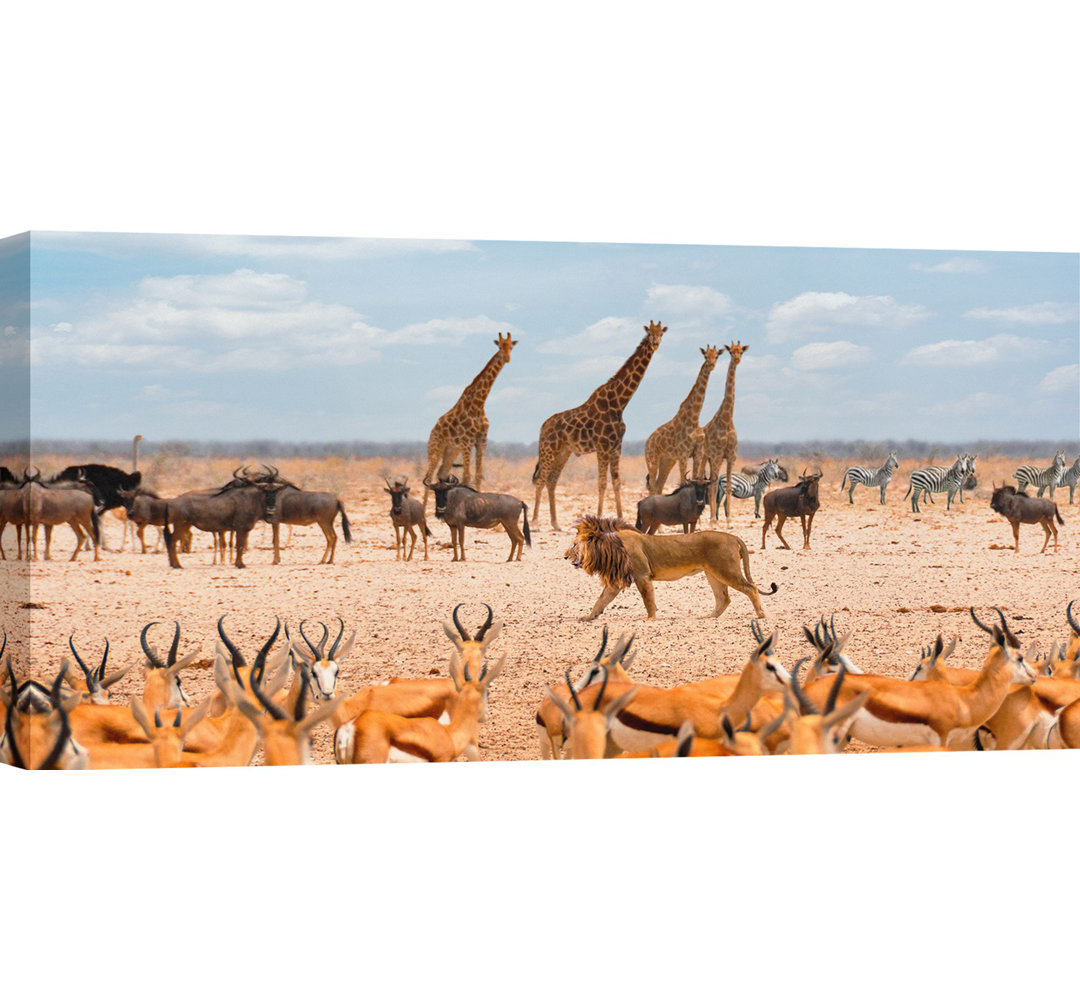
x: 620, y: 555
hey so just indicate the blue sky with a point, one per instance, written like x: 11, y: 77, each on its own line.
x: 234, y: 338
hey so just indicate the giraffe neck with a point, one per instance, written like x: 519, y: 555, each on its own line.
x: 727, y: 407
x: 623, y: 384
x: 690, y: 410
x: 476, y: 392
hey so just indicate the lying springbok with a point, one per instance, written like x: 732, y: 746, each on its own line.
x: 95, y: 687
x: 824, y: 731
x: 236, y: 507
x: 793, y: 501
x: 380, y: 738
x: 37, y: 732
x: 1019, y: 508
x: 683, y: 506
x: 323, y: 666
x: 588, y: 728
x: 464, y: 507
x: 406, y: 514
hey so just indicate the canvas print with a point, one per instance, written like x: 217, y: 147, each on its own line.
x: 272, y: 500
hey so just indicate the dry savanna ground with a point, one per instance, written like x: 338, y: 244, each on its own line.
x: 894, y: 579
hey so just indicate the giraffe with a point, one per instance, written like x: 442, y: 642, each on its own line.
x: 680, y: 437
x: 464, y: 426
x: 721, y: 441
x: 595, y: 425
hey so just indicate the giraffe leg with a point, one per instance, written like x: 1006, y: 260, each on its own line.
x: 549, y: 479
x: 601, y: 481
x: 616, y: 483
x: 727, y: 494
x: 663, y: 470
x: 481, y: 446
x: 466, y: 466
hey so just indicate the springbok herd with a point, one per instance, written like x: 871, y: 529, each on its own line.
x: 1016, y: 699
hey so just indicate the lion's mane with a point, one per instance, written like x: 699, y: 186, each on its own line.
x: 599, y: 550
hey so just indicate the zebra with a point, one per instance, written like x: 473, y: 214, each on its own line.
x: 969, y: 482
x: 1030, y: 475
x: 859, y: 475
x: 1070, y: 479
x: 938, y: 479
x: 744, y: 487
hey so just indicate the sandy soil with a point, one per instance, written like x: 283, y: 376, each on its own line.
x: 893, y: 578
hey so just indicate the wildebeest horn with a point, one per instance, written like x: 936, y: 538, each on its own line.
x: 1068, y: 614
x: 457, y: 622
x: 487, y: 624
x: 155, y: 660
x: 236, y: 472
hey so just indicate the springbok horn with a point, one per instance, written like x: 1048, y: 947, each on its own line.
x: 174, y: 648
x: 303, y: 635
x: 62, y: 738
x: 260, y: 658
x: 1073, y: 624
x: 834, y: 691
x: 987, y: 630
x: 806, y: 706
x: 1008, y: 633
x: 90, y: 678
x: 603, y: 688
x: 301, y: 698
x: 155, y: 661
x: 4, y: 646
x: 337, y: 641
x: 487, y: 624
x: 275, y: 711
x: 104, y: 660
x: 573, y: 693
x: 457, y: 623
x: 596, y: 659
x: 237, y: 657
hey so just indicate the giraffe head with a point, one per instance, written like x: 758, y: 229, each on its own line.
x: 654, y: 331
x: 736, y: 351
x: 711, y: 354
x: 505, y: 346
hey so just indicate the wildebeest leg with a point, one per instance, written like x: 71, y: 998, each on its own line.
x: 73, y: 524
x: 1016, y: 535
x: 423, y: 535
x: 780, y: 519
x: 241, y: 545
x: 331, y: 542
x: 765, y: 529
x: 720, y: 592
x: 411, y: 543
x: 806, y: 522
x: 609, y: 594
x: 459, y: 552
x: 275, y: 529
x: 48, y: 541
x: 1045, y: 522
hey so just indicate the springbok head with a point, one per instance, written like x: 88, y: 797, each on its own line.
x: 323, y: 665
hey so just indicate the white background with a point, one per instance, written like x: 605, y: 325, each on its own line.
x: 929, y: 125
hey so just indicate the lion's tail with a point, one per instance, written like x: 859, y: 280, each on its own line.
x: 746, y: 571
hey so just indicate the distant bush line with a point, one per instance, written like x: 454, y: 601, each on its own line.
x: 859, y: 450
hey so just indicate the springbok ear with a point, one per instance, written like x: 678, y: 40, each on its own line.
x: 452, y: 634
x: 495, y: 670
x: 560, y: 705
x: 194, y: 718
x: 492, y: 635
x: 620, y: 703
x: 347, y: 648
x: 138, y: 709
x: 454, y: 670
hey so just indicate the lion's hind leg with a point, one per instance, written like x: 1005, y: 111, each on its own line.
x: 720, y: 591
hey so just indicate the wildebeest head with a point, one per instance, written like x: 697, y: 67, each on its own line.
x: 442, y: 489
x: 398, y: 490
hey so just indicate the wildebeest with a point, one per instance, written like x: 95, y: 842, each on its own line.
x: 105, y: 481
x: 304, y: 507
x: 12, y: 507
x: 464, y: 507
x: 1019, y: 508
x: 407, y: 514
x: 60, y: 503
x: 791, y: 501
x: 683, y: 505
x: 236, y: 507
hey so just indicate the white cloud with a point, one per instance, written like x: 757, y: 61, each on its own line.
x: 955, y: 265
x: 1063, y: 379
x: 970, y: 353
x: 828, y: 355
x: 604, y: 334
x: 697, y: 302
x: 819, y: 312
x: 971, y: 403
x: 1039, y: 314
x: 244, y: 320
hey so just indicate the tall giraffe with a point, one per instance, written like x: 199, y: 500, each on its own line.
x: 721, y: 441
x: 680, y: 438
x: 595, y: 425
x: 464, y: 426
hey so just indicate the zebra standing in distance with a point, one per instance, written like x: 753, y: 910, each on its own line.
x: 1030, y: 475
x: 1070, y: 479
x: 744, y: 487
x: 938, y: 479
x: 859, y: 475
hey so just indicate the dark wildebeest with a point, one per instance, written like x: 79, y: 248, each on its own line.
x: 791, y: 501
x: 683, y: 505
x: 305, y: 507
x: 1019, y: 508
x: 237, y: 506
x: 105, y: 481
x: 464, y: 507
x: 407, y: 514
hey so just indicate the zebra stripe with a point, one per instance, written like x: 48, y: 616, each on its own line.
x: 1030, y: 475
x: 859, y: 475
x: 743, y: 487
x: 937, y: 479
x: 1070, y: 479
